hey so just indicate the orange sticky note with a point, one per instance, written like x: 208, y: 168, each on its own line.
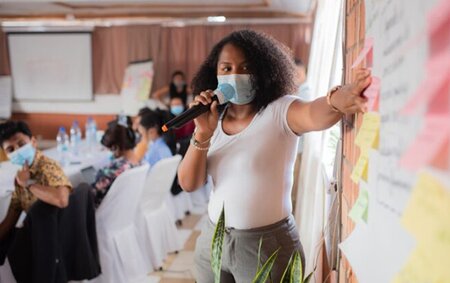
x: 429, y: 142
x: 438, y: 31
x: 366, y: 53
x: 373, y: 93
x: 436, y: 82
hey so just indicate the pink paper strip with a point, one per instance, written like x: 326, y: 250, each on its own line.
x: 373, y: 93
x: 437, y: 78
x: 366, y: 53
x: 438, y: 27
x: 428, y: 143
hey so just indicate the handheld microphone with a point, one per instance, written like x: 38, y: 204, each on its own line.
x: 223, y: 94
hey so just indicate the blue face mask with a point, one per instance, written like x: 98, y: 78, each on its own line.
x: 111, y: 156
x: 23, y: 154
x: 177, y: 109
x: 242, y: 85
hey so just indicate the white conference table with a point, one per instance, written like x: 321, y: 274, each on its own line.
x: 97, y: 159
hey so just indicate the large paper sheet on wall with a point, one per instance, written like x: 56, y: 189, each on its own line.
x: 136, y: 86
x: 404, y: 55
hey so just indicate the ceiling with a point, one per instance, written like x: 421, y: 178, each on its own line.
x: 71, y: 10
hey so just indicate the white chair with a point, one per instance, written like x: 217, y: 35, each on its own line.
x: 121, y: 257
x: 180, y: 205
x: 157, y: 231
x: 6, y: 275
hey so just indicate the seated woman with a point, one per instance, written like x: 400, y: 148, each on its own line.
x: 160, y: 145
x: 176, y: 88
x: 120, y: 139
x: 176, y: 108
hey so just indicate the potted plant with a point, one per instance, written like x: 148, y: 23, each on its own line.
x: 292, y: 274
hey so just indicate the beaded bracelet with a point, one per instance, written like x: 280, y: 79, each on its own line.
x: 195, y: 144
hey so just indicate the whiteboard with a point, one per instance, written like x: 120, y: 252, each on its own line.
x: 51, y: 66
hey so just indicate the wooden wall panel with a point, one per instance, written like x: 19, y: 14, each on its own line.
x: 354, y: 41
x: 46, y: 126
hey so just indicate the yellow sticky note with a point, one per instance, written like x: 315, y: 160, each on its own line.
x: 415, y: 270
x: 360, y: 210
x: 422, y: 267
x: 427, y: 217
x: 427, y: 214
x: 368, y: 134
x: 361, y: 168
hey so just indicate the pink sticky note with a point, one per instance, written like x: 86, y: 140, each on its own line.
x: 373, y: 93
x: 435, y: 82
x: 428, y: 143
x: 438, y: 31
x: 366, y: 53
x: 440, y: 103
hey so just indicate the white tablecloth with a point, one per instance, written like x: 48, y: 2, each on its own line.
x: 97, y: 159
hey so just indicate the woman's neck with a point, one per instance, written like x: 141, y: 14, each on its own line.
x: 130, y: 156
x: 240, y: 112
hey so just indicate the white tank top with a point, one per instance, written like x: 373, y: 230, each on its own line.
x: 252, y: 171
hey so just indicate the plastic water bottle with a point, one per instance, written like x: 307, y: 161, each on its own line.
x: 75, y: 138
x: 62, y: 141
x: 91, y: 134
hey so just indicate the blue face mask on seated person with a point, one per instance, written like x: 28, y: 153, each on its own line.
x: 177, y: 109
x: 242, y: 85
x: 24, y: 154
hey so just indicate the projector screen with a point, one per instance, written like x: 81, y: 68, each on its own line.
x: 51, y: 66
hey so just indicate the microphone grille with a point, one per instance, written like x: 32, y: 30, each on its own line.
x: 227, y: 90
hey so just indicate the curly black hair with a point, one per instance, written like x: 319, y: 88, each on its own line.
x: 120, y: 136
x: 10, y: 128
x: 270, y: 64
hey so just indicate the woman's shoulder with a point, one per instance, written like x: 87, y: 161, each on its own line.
x: 282, y: 104
x: 285, y: 99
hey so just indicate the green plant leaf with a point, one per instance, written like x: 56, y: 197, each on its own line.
x: 216, y: 248
x: 286, y: 278
x: 296, y: 269
x: 264, y: 272
x: 308, y: 278
x: 258, y: 266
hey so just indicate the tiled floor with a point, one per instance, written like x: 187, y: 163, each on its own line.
x: 179, y: 268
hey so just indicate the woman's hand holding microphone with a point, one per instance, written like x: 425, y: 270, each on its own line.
x: 206, y: 123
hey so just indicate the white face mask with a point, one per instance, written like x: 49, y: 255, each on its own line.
x: 242, y: 85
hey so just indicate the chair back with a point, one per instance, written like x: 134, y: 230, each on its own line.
x: 119, y: 207
x: 160, y: 178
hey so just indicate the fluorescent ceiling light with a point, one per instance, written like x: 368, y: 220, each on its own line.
x: 217, y: 19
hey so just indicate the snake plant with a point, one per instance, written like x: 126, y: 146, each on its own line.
x: 292, y: 274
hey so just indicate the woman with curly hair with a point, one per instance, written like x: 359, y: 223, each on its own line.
x: 248, y: 149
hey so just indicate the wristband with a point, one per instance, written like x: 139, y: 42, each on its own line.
x: 329, y: 95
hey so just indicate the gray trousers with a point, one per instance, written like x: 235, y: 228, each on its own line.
x: 240, y: 251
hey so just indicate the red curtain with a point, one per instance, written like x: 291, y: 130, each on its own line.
x: 170, y: 48
x: 4, y: 60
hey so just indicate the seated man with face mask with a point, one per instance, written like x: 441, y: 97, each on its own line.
x: 40, y: 177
